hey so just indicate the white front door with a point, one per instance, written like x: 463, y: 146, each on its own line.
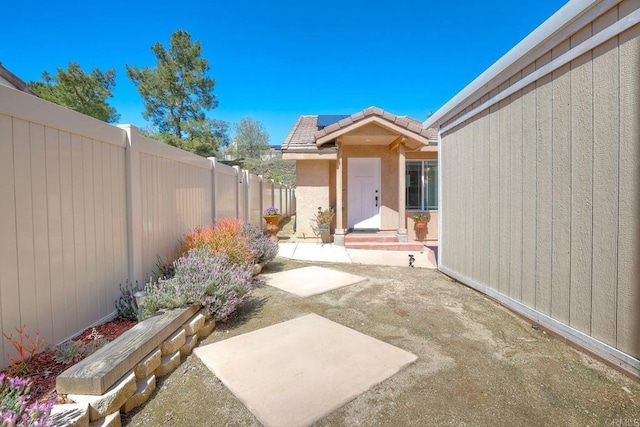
x: 363, y: 186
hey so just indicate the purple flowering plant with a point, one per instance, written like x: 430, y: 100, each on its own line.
x: 270, y: 211
x: 263, y: 248
x: 14, y: 411
x: 202, y: 277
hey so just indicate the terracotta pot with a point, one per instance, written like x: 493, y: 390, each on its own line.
x: 421, y: 229
x: 325, y: 233
x: 273, y: 222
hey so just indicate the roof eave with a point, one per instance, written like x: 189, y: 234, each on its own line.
x: 558, y: 27
x: 368, y: 120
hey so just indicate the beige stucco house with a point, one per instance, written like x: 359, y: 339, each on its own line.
x: 374, y: 168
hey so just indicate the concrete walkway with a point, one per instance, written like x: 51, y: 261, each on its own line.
x: 319, y: 252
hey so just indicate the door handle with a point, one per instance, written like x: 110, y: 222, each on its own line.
x: 376, y: 201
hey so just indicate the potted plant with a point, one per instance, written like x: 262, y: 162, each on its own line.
x: 272, y: 217
x: 420, y: 220
x: 323, y: 221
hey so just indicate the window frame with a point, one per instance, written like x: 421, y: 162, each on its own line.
x: 424, y: 186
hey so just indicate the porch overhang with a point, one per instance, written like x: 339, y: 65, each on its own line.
x: 310, y: 155
x: 413, y: 140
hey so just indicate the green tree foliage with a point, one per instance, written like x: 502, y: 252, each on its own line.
x: 177, y: 93
x: 79, y: 91
x: 252, y: 140
x: 202, y: 137
x: 281, y: 171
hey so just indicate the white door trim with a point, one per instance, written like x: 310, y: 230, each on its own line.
x: 364, y: 171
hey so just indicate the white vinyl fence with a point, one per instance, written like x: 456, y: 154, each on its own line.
x: 85, y: 206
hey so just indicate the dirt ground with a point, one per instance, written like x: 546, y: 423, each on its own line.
x: 478, y: 364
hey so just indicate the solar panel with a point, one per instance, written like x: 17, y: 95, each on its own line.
x: 325, y: 120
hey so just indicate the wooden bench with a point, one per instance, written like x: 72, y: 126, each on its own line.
x: 95, y: 374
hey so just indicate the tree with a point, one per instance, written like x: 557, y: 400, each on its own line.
x: 203, y: 137
x: 79, y: 91
x: 251, y: 141
x: 177, y: 93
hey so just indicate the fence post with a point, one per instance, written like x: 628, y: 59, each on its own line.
x: 272, y: 202
x: 245, y: 191
x: 286, y: 200
x: 238, y: 182
x: 214, y: 164
x: 262, y: 206
x: 294, y: 202
x: 134, y: 203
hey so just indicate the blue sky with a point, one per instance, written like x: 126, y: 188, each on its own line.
x: 276, y: 60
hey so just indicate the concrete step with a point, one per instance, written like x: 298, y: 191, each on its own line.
x: 361, y: 237
x: 387, y: 246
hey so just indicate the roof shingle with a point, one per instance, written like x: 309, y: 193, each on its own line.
x: 305, y: 131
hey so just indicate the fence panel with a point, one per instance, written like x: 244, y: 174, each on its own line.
x: 267, y: 192
x: 226, y: 191
x: 176, y: 193
x: 86, y: 206
x: 255, y: 200
x: 277, y: 197
x: 63, y: 244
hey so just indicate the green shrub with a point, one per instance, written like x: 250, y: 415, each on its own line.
x: 76, y: 350
x: 164, y: 294
x: 69, y: 352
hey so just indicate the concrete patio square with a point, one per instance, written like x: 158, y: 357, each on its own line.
x: 298, y: 371
x: 310, y: 280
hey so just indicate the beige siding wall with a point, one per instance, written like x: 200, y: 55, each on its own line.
x: 540, y: 191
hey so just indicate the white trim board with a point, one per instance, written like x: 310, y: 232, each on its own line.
x: 584, y: 47
x: 440, y: 207
x: 560, y: 26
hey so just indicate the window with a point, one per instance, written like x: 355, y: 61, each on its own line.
x: 422, y: 185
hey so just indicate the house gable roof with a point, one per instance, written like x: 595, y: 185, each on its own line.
x: 14, y: 80
x: 307, y: 135
x: 301, y: 135
x: 402, y: 122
